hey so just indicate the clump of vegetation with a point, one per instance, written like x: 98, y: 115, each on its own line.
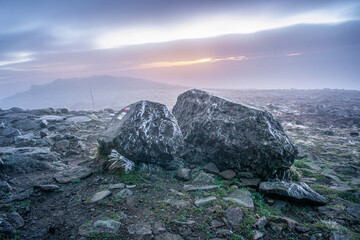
x: 262, y: 208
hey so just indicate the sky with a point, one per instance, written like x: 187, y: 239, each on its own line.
x: 221, y: 44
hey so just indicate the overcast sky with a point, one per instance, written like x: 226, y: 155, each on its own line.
x: 223, y: 44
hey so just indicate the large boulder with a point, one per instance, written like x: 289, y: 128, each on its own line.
x: 143, y: 132
x: 232, y: 135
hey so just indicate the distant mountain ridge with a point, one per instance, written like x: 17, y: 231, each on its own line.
x: 107, y: 92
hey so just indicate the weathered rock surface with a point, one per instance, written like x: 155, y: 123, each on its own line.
x: 100, y: 226
x: 232, y: 135
x: 296, y: 191
x: 241, y: 197
x: 144, y: 132
x: 72, y: 174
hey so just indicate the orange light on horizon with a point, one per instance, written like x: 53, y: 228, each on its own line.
x: 184, y: 63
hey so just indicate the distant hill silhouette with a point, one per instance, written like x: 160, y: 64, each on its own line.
x: 107, y: 91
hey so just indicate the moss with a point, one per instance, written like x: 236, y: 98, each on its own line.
x: 350, y: 196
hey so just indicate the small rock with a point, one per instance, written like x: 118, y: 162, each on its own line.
x: 44, y: 133
x: 178, y: 203
x: 234, y: 216
x: 290, y: 222
x: 107, y: 226
x: 117, y: 186
x: 159, y: 227
x: 211, y: 168
x: 258, y: 235
x: 44, y: 123
x: 228, y: 174
x: 100, y: 196
x: 140, y: 229
x: 250, y: 182
x: 183, y: 174
x: 216, y: 224
x: 261, y: 223
x: 72, y: 174
x: 223, y: 232
x: 62, y: 144
x: 241, y: 197
x: 204, y: 178
x: 276, y: 227
x: 176, y: 192
x: 168, y: 236
x: 124, y: 193
x: 302, y: 229
x: 204, y: 201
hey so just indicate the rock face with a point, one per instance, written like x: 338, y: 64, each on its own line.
x: 231, y: 135
x: 144, y: 132
x: 296, y: 191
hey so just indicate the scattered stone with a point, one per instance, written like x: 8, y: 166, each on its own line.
x: 234, y: 216
x: 44, y: 123
x: 190, y: 188
x: 246, y: 139
x: 204, y: 178
x: 72, y: 174
x: 124, y: 193
x: 100, y: 196
x: 52, y: 118
x: 117, y: 186
x: 211, y: 168
x: 296, y: 191
x: 140, y: 229
x: 261, y: 223
x: 62, y: 144
x: 144, y: 132
x: 250, y: 182
x: 176, y: 192
x: 223, y: 232
x: 276, y: 227
x: 258, y: 234
x: 217, y: 224
x: 44, y: 133
x: 168, y: 236
x: 204, y: 201
x: 228, y: 174
x: 183, y: 174
x: 178, y: 203
x: 290, y: 222
x: 241, y: 197
x: 159, y: 227
x: 302, y: 229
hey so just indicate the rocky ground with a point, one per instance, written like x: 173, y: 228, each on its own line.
x: 54, y: 184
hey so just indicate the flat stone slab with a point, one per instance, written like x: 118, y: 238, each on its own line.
x: 204, y: 201
x: 72, y: 174
x: 100, y: 196
x: 241, y: 197
x: 189, y: 188
x: 124, y: 193
x: 294, y: 191
x: 178, y: 203
x: 52, y: 118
